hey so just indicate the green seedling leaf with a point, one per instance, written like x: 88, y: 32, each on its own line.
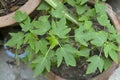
x: 40, y: 65
x: 100, y: 8
x: 90, y: 13
x: 83, y: 2
x: 104, y: 0
x: 66, y: 52
x: 88, y: 25
x: 16, y: 40
x: 71, y: 2
x: 107, y: 49
x: 78, y: 1
x: 42, y: 25
x: 107, y: 64
x: 110, y: 47
x: 84, y: 34
x: 26, y: 27
x: 53, y: 41
x: 80, y: 36
x: 30, y: 54
x: 118, y: 38
x: 83, y: 18
x: 103, y: 20
x: 81, y: 9
x: 114, y: 56
x: 112, y: 37
x: 99, y: 38
x: 43, y: 6
x: 95, y: 63
x: 60, y: 29
x: 41, y: 45
x: 84, y: 52
x: 19, y: 16
x: 111, y: 29
x: 58, y: 12
x: 30, y: 39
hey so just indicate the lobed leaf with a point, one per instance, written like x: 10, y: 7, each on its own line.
x: 60, y: 29
x: 30, y: 39
x: 19, y: 16
x: 114, y: 56
x: 100, y: 8
x: 16, y: 40
x: 71, y: 2
x: 99, y: 38
x: 80, y: 36
x: 41, y: 26
x: 53, y: 41
x: 107, y: 64
x: 43, y: 6
x: 40, y: 65
x: 95, y: 62
x: 81, y: 9
x: 84, y: 52
x: 58, y: 12
x: 66, y: 53
x: 83, y: 1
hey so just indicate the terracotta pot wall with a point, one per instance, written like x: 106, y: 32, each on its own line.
x: 28, y: 7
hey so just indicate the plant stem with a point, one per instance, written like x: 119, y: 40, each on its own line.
x: 54, y: 4
x: 101, y: 51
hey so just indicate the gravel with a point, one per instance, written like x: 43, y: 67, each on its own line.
x: 12, y: 72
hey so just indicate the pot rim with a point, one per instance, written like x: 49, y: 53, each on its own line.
x: 28, y: 7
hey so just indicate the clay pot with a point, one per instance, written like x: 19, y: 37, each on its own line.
x: 28, y: 7
x: 52, y: 76
x: 106, y: 74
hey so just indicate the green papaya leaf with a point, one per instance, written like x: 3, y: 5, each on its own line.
x: 41, y: 26
x: 84, y: 52
x: 40, y: 65
x: 71, y: 2
x: 60, y: 29
x: 53, y: 41
x: 43, y: 6
x: 19, y: 16
x: 114, y: 56
x: 99, y: 38
x: 58, y: 12
x: 95, y: 63
x: 66, y: 53
x: 16, y: 40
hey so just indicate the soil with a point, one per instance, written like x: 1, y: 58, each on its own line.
x: 8, y: 6
x: 74, y: 73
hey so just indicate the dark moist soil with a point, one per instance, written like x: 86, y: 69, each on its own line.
x: 74, y: 73
x: 8, y: 6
